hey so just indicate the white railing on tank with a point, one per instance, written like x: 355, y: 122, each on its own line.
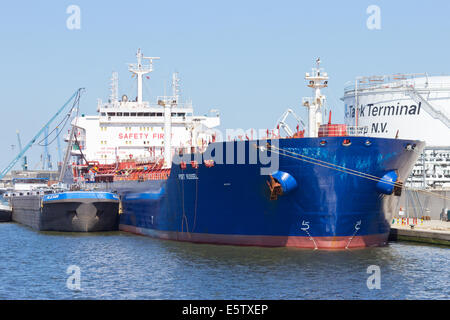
x: 373, y: 82
x: 395, y: 81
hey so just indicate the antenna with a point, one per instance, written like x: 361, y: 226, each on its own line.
x: 139, y: 70
x: 175, y: 87
x: 114, y: 97
x: 150, y: 59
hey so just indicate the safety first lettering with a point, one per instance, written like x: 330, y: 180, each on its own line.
x: 137, y: 136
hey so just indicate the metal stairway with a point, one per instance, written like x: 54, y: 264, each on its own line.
x: 437, y: 114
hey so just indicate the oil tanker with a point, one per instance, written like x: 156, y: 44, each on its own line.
x: 177, y: 179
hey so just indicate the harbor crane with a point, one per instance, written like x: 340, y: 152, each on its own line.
x: 58, y: 146
x: 75, y: 98
x: 25, y: 161
x: 46, y: 157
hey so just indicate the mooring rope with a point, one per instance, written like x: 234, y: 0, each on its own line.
x: 341, y: 167
x: 336, y: 167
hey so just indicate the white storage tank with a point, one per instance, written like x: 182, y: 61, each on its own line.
x: 413, y: 106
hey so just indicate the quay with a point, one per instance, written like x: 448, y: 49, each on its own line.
x: 417, y: 230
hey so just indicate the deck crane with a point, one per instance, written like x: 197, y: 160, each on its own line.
x: 75, y: 97
x: 282, y: 121
x: 25, y: 162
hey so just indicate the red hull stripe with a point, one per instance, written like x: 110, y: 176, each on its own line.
x: 327, y: 243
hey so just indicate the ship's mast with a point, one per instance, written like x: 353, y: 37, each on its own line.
x: 139, y: 70
x: 114, y: 97
x: 175, y: 87
x: 169, y: 103
x: 316, y: 80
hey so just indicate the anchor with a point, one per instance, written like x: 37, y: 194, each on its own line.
x: 275, y: 188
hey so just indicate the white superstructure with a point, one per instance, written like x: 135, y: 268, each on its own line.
x: 317, y: 79
x: 137, y: 129
x: 407, y: 106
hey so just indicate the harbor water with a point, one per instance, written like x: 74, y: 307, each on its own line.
x: 118, y: 265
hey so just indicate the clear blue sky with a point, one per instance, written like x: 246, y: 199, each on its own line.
x: 246, y: 58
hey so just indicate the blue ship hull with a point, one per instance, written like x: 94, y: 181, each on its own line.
x: 231, y: 203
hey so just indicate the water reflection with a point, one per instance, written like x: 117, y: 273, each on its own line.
x: 123, y: 266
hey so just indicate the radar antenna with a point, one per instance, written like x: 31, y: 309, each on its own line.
x: 140, y: 69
